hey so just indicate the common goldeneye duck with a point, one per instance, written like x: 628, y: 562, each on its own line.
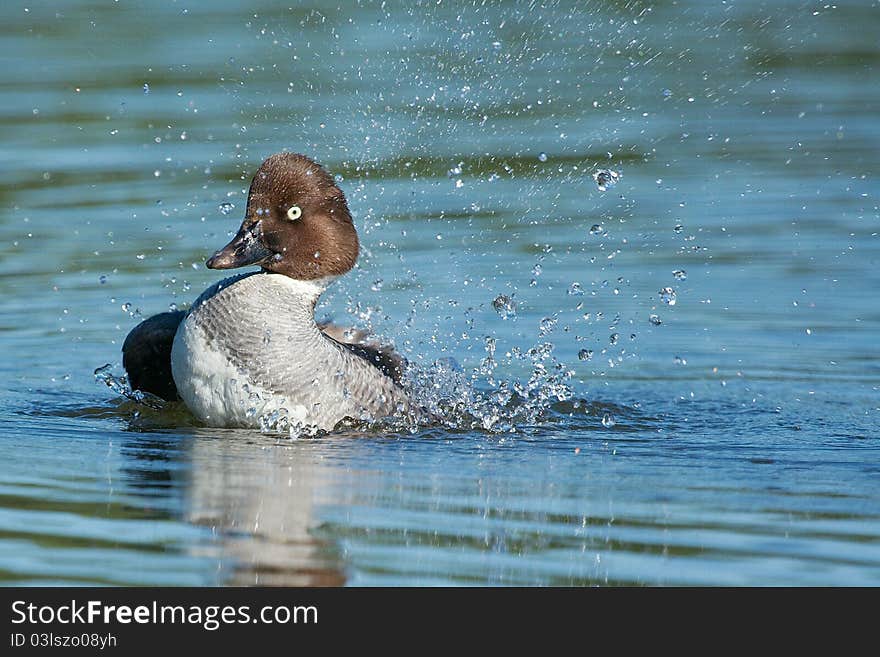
x: 250, y: 345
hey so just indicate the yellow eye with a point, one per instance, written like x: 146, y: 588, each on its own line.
x: 294, y: 213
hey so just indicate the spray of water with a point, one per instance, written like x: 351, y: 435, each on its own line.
x: 444, y: 394
x: 119, y: 384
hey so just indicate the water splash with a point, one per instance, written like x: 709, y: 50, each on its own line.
x: 481, y: 400
x: 120, y: 385
x: 448, y: 396
x: 443, y: 395
x: 279, y: 421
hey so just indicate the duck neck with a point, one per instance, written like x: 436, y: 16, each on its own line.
x: 304, y: 295
x: 306, y: 289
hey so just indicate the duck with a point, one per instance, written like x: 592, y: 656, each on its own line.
x: 250, y: 346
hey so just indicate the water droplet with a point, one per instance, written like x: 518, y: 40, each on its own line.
x: 679, y: 274
x: 146, y: 88
x: 596, y: 229
x: 542, y: 157
x: 613, y: 338
x: 608, y: 420
x: 667, y: 296
x: 575, y: 290
x: 504, y: 305
x: 605, y: 178
x: 678, y: 228
x: 546, y: 325
x: 226, y: 207
x: 377, y: 285
x: 537, y: 269
x: 456, y: 170
x: 459, y: 184
x: 102, y: 279
x: 585, y: 354
x: 678, y: 360
x: 655, y: 320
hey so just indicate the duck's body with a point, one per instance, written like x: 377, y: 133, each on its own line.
x: 249, y: 347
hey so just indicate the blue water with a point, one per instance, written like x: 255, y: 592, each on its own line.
x: 735, y: 442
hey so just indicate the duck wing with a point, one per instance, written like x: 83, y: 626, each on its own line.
x: 382, y: 357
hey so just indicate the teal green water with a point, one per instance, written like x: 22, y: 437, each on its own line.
x: 735, y: 442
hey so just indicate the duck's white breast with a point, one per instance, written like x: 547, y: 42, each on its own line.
x: 250, y: 346
x: 214, y: 389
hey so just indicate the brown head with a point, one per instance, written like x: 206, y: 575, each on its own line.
x: 297, y: 223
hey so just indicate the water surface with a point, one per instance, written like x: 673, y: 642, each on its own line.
x: 735, y: 442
